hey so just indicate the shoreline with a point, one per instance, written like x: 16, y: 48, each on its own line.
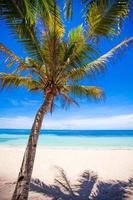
x: 43, y: 147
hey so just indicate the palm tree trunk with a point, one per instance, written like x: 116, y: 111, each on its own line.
x: 24, y: 177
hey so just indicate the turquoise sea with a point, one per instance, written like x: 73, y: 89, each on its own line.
x: 71, y: 138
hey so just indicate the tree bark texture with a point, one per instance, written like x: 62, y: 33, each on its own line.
x: 24, y: 177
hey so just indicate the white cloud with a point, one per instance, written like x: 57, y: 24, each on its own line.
x: 17, y: 122
x: 112, y: 122
x: 24, y: 102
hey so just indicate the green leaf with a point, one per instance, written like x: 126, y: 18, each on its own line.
x: 69, y: 51
x: 105, y: 16
x: 100, y: 63
x: 11, y: 57
x: 20, y: 16
x: 68, y: 9
x: 8, y: 80
x: 88, y: 91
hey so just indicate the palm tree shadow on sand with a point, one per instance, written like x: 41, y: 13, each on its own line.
x: 87, y: 187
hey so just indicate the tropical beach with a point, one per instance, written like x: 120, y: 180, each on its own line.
x: 110, y: 165
x: 66, y: 109
x: 111, y: 162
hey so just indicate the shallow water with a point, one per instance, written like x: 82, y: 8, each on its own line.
x: 70, y: 138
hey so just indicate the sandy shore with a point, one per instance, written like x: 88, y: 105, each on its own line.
x: 108, y: 164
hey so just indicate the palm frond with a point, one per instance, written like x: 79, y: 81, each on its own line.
x: 84, y: 1
x: 105, y: 16
x: 78, y: 50
x: 20, y: 17
x: 23, y: 65
x: 51, y: 18
x: 68, y: 9
x: 11, y: 58
x: 100, y: 63
x: 32, y: 66
x: 7, y: 80
x: 67, y: 100
x: 76, y: 37
x: 51, y: 38
x: 88, y: 91
x: 77, y: 74
x: 53, y: 53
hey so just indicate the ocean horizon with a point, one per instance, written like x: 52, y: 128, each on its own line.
x: 94, y: 139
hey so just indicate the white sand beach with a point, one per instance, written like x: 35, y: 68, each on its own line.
x: 108, y: 164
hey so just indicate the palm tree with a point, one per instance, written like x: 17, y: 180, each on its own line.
x: 55, y: 64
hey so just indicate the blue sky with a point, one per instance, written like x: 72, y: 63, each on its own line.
x: 18, y: 106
